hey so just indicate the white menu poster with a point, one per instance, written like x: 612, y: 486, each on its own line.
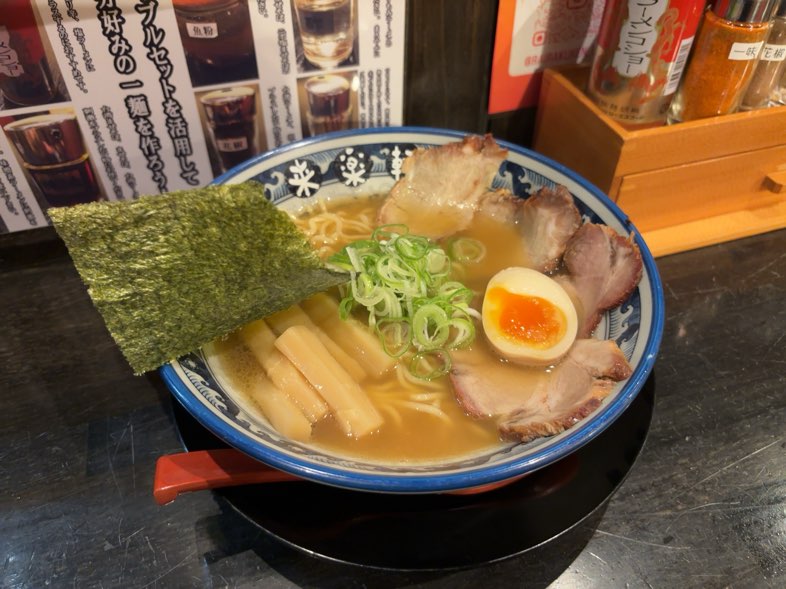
x: 113, y: 99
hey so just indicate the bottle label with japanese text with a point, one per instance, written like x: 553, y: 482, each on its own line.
x: 772, y: 52
x: 745, y: 51
x: 232, y: 144
x: 643, y: 46
x: 637, y: 37
x: 202, y: 30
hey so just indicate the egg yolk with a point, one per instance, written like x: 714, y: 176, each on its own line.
x: 530, y: 320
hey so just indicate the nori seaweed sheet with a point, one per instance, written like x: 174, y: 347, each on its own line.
x: 172, y: 272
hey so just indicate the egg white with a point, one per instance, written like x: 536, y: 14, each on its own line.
x: 528, y: 282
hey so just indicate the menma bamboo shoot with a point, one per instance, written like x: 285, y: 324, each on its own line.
x: 282, y: 413
x: 348, y: 403
x: 353, y: 336
x: 260, y: 339
x: 295, y: 315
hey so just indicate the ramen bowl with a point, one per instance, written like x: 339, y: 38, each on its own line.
x: 369, y: 162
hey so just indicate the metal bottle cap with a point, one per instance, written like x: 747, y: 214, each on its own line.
x: 745, y: 11
x: 47, y: 139
x: 232, y: 105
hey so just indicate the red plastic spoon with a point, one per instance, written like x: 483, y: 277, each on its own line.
x: 212, y: 469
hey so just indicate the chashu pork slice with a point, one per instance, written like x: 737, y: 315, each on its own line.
x: 442, y: 186
x: 603, y: 269
x: 546, y: 221
x: 528, y: 407
x: 576, y: 388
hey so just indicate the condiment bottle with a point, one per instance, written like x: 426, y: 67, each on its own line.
x: 641, y: 52
x: 54, y: 155
x: 771, y: 66
x: 778, y: 95
x: 724, y: 57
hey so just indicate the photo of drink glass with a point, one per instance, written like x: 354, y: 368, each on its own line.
x: 329, y: 103
x: 28, y: 76
x: 217, y: 40
x: 53, y: 154
x: 327, y: 30
x: 231, y: 116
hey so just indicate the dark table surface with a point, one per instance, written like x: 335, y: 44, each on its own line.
x: 703, y: 506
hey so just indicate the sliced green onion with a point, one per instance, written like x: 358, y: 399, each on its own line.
x: 395, y: 335
x: 456, y: 293
x: 412, y: 247
x: 437, y: 262
x: 388, y: 232
x: 430, y: 365
x: 430, y: 327
x: 365, y: 291
x: 389, y: 307
x: 345, y: 307
x: 465, y: 249
x: 463, y: 332
x: 404, y: 283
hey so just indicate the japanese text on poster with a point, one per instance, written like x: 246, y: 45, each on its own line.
x: 113, y: 99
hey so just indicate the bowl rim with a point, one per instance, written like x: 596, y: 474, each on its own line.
x: 440, y: 482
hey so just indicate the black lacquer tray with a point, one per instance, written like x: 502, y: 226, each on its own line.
x: 440, y: 531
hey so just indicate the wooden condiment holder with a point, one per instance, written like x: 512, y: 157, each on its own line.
x: 684, y: 186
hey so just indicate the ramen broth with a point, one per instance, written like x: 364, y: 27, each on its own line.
x: 408, y: 434
x: 411, y: 432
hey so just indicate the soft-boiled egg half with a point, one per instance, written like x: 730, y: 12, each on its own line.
x: 528, y: 317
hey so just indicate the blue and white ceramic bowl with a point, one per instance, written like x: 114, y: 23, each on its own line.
x: 368, y: 161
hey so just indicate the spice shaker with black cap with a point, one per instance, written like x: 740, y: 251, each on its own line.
x: 725, y: 54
